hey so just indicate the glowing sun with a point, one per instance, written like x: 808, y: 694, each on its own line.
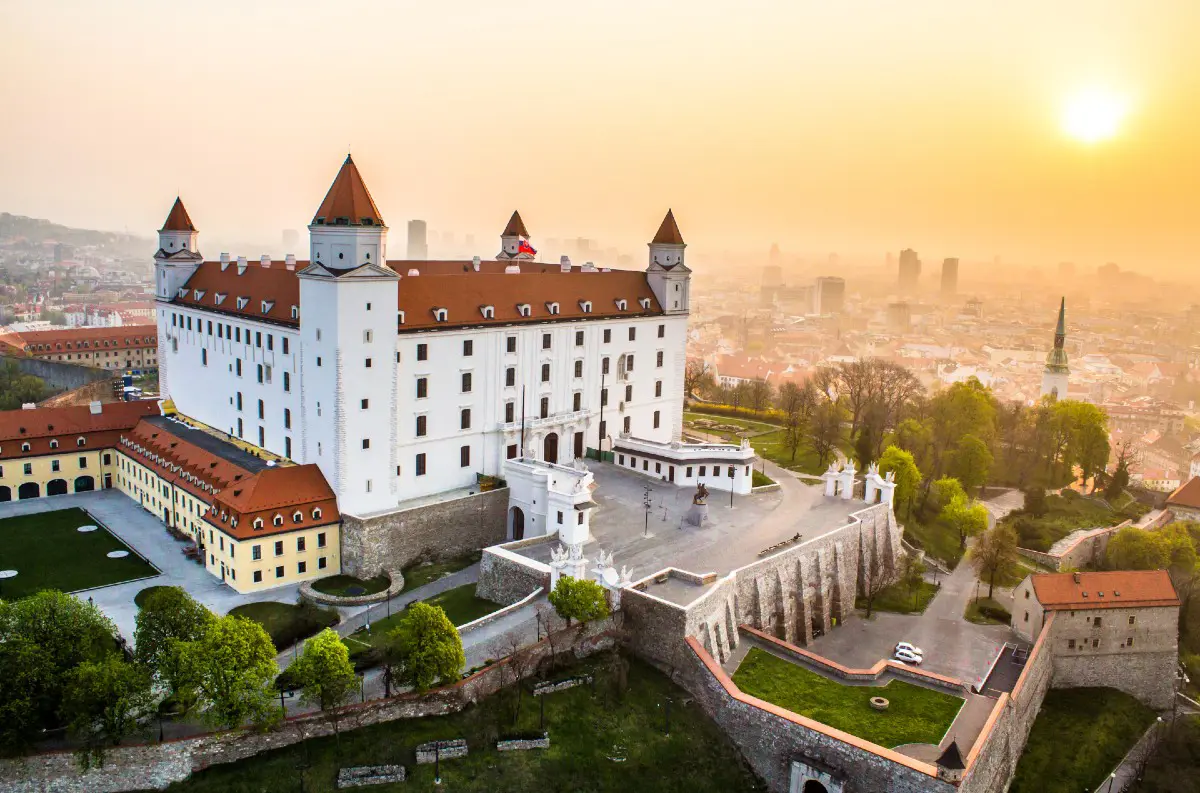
x: 1093, y: 115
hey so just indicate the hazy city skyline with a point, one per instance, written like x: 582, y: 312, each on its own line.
x: 857, y: 128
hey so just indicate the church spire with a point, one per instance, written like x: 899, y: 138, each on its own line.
x: 1054, y: 376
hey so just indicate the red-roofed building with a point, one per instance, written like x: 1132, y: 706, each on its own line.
x: 117, y: 348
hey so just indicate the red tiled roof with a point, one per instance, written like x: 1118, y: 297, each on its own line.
x: 39, y: 426
x: 177, y: 219
x: 1187, y: 495
x: 453, y: 285
x: 348, y: 198
x: 1111, y: 589
x: 515, y: 227
x: 82, y: 339
x: 275, y: 491
x: 668, y: 232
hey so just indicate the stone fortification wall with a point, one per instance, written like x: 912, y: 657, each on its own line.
x: 507, y: 577
x: 60, y: 375
x: 435, y: 531
x: 770, y: 738
x: 993, y: 759
x: 1145, y: 670
x: 655, y: 627
x: 155, y: 766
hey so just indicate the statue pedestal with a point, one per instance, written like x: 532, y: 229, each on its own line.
x: 697, y: 515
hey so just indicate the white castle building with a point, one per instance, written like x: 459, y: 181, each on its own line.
x: 403, y: 379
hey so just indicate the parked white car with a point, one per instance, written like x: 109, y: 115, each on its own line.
x: 910, y: 648
x: 906, y: 657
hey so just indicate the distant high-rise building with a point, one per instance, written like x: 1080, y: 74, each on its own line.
x: 1057, y: 372
x: 910, y: 271
x: 291, y: 241
x: 831, y: 294
x: 418, y: 240
x: 899, y: 317
x: 974, y: 308
x: 949, y: 277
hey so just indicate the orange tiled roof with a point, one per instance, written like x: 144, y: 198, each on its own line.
x: 348, y: 199
x: 1111, y: 589
x: 283, y: 491
x: 668, y: 232
x: 515, y: 227
x: 1187, y: 494
x: 40, y: 426
x: 453, y: 285
x: 82, y: 339
x: 177, y: 219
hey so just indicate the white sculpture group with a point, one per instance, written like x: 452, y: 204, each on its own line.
x: 569, y: 560
x: 839, y: 481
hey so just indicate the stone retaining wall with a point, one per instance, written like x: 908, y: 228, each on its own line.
x: 364, y: 775
x: 488, y: 619
x: 523, y: 744
x: 506, y: 577
x: 397, y: 584
x: 435, y: 751
x: 155, y: 766
x: 442, y: 530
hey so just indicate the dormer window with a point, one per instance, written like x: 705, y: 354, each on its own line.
x: 241, y: 302
x: 440, y: 314
x: 267, y: 305
x: 645, y: 301
x: 81, y: 441
x: 297, y: 516
x: 524, y: 309
x: 399, y: 317
x: 219, y: 298
x: 277, y: 520
x: 54, y: 443
x: 258, y: 524
x: 183, y: 292
x: 585, y: 306
x: 488, y: 312
x: 233, y: 523
x: 25, y: 447
x: 552, y: 308
x: 200, y: 294
x: 295, y: 312
x: 622, y: 304
x: 316, y: 513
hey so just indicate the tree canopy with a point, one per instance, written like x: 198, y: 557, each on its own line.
x: 428, y: 649
x: 233, y: 668
x: 907, y: 475
x: 324, y: 672
x: 579, y: 599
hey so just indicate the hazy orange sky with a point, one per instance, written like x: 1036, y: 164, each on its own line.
x: 851, y: 126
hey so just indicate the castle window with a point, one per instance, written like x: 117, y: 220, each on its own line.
x: 267, y: 305
x: 400, y: 317
x: 422, y: 352
x: 200, y: 296
x: 579, y: 368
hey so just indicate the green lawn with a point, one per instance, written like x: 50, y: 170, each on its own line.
x: 937, y: 538
x: 1079, y: 737
x: 771, y: 446
x: 598, y: 742
x: 986, y: 611
x: 349, y: 586
x: 424, y: 572
x: 760, y: 479
x: 460, y: 604
x: 48, y: 553
x: 750, y: 428
x: 1065, y: 513
x: 899, y: 600
x: 914, y: 715
x: 287, y: 623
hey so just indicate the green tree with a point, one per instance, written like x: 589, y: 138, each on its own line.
x: 905, y: 472
x: 1120, y: 477
x: 825, y: 430
x: 916, y: 438
x: 233, y: 666
x: 970, y: 462
x: 993, y: 552
x: 428, y: 648
x: 42, y: 638
x: 579, y: 599
x: 324, y: 672
x: 104, y: 703
x: 967, y: 517
x: 1035, y: 501
x: 169, y: 618
x: 946, y: 490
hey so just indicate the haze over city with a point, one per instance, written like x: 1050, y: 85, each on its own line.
x: 857, y: 127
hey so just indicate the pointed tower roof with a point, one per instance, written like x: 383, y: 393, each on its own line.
x: 177, y: 219
x: 348, y: 198
x: 668, y: 232
x: 1061, y: 330
x: 515, y: 227
x: 1056, y: 361
x: 951, y: 758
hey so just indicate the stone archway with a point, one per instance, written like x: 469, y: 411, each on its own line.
x: 56, y: 487
x: 5, y: 493
x: 84, y: 484
x: 813, y: 786
x: 518, y: 523
x: 29, y: 490
x: 550, y: 448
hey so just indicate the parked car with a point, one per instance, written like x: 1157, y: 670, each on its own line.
x: 905, y: 656
x: 910, y: 648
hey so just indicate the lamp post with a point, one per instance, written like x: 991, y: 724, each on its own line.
x: 437, y: 762
x: 647, y: 502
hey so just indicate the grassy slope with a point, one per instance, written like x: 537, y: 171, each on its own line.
x: 421, y: 574
x: 939, y: 539
x: 285, y: 623
x: 1079, y: 737
x: 897, y: 599
x: 585, y: 732
x: 915, y: 714
x: 1063, y: 516
x: 48, y: 553
x: 460, y: 604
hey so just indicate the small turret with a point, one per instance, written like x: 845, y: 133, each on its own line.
x: 669, y: 277
x: 177, y: 256
x: 347, y: 230
x: 514, y: 240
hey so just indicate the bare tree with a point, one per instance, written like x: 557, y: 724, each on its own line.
x: 880, y: 577
x: 761, y: 394
x: 520, y: 662
x: 698, y: 376
x: 825, y: 380
x: 857, y: 384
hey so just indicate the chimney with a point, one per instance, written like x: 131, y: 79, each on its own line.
x: 290, y: 261
x: 512, y: 269
x: 241, y: 265
x: 265, y: 261
x: 1076, y: 577
x: 28, y: 406
x: 589, y: 268
x: 94, y: 407
x: 475, y: 264
x: 224, y: 262
x: 414, y: 271
x: 564, y: 264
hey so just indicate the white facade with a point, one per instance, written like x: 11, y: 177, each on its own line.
x: 548, y: 499
x: 718, y: 466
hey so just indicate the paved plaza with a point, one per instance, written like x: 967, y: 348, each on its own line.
x: 145, y: 534
x: 647, y: 542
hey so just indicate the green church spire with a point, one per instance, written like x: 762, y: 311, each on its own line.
x: 1056, y: 361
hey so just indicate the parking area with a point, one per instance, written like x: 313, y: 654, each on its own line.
x: 144, y: 533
